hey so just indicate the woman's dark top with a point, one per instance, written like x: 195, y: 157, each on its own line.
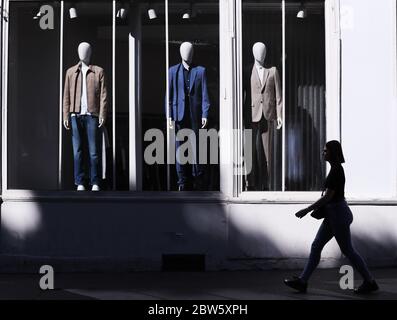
x: 336, y: 181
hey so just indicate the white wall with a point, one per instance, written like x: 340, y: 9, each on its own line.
x: 135, y: 234
x: 368, y: 30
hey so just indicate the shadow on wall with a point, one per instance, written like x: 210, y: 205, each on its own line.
x: 384, y: 247
x: 121, y: 233
x: 102, y: 233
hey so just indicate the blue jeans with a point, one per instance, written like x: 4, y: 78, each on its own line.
x: 336, y: 224
x: 85, y: 129
x: 195, y: 169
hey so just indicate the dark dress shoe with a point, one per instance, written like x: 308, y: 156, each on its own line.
x: 297, y: 284
x: 367, y: 287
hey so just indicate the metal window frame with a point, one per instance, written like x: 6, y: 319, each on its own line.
x: 4, y: 88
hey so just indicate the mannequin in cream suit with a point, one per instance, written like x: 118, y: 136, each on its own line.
x: 263, y: 109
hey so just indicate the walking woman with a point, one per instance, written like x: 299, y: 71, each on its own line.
x: 336, y: 223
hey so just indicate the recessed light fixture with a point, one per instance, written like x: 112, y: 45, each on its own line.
x: 188, y: 13
x: 152, y: 14
x: 121, y: 13
x: 302, y: 14
x: 72, y: 13
x: 38, y: 15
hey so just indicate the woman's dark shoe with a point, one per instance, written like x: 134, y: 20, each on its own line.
x: 367, y: 287
x: 297, y: 284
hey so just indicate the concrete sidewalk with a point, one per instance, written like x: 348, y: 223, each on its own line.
x: 240, y: 285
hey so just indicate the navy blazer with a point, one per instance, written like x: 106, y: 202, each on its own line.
x: 198, y: 95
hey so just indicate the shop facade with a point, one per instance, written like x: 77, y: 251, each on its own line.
x: 336, y: 61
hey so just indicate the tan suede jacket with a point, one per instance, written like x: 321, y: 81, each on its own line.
x: 97, y: 96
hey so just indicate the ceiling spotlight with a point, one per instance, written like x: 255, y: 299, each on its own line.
x: 189, y: 12
x: 121, y: 13
x: 302, y: 14
x: 152, y: 14
x: 38, y: 15
x: 73, y: 13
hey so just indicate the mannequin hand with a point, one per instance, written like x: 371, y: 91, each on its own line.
x: 66, y: 124
x: 279, y: 123
x: 204, y: 122
x: 170, y: 123
x: 301, y: 213
x: 101, y: 122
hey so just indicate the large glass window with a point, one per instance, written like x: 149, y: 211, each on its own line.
x: 136, y: 47
x: 129, y: 55
x: 153, y: 83
x: 33, y: 98
x: 304, y: 95
x: 283, y: 98
x: 92, y: 24
x: 193, y: 29
x: 262, y: 93
x: 124, y: 33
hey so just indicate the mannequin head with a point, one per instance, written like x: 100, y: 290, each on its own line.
x: 259, y: 52
x: 84, y: 52
x: 186, y: 50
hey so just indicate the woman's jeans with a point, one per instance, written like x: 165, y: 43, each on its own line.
x: 85, y: 129
x: 336, y: 224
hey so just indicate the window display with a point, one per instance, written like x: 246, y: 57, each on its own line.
x: 262, y: 93
x: 263, y: 107
x: 283, y: 94
x: 196, y: 23
x: 87, y: 159
x: 136, y: 46
x: 84, y: 111
x: 188, y: 106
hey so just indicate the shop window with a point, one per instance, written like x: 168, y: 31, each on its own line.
x: 92, y: 25
x: 283, y: 94
x: 33, y: 98
x: 194, y: 25
x: 52, y: 93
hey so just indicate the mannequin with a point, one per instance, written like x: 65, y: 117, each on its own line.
x: 264, y: 108
x: 186, y: 51
x: 84, y: 111
x: 259, y: 53
x: 188, y: 107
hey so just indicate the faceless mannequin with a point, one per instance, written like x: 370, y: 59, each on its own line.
x: 259, y: 53
x: 84, y: 111
x: 186, y: 51
x: 84, y: 51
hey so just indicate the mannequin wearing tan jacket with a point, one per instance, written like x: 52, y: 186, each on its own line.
x: 263, y: 109
x: 84, y: 111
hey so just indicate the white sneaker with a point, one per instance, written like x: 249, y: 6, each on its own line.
x: 95, y: 187
x: 80, y: 187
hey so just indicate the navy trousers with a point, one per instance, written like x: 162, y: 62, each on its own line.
x: 192, y: 168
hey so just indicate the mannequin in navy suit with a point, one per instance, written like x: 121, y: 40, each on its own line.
x: 188, y: 107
